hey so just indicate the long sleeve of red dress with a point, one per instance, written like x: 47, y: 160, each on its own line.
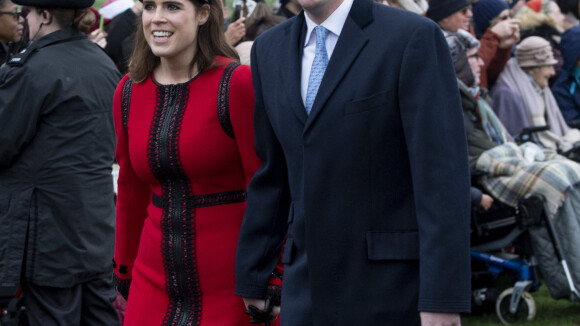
x: 132, y: 200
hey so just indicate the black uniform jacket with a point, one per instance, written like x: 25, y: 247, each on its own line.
x: 56, y: 151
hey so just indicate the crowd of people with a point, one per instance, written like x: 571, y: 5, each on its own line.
x: 307, y: 142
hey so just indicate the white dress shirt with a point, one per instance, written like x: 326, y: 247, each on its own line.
x: 333, y: 24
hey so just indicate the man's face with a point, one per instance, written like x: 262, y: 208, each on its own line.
x: 458, y: 20
x: 541, y: 75
x: 319, y: 10
x: 11, y: 23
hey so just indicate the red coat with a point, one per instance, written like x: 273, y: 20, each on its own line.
x: 178, y: 250
x: 493, y: 57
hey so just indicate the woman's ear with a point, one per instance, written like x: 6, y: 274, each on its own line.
x: 203, y: 14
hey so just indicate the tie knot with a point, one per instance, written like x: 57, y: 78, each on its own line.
x: 321, y: 33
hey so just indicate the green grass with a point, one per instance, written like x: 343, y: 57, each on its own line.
x: 549, y: 312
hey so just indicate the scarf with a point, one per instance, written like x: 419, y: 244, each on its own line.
x: 559, y: 135
x: 491, y: 124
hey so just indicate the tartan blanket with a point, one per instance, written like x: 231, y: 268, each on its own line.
x: 509, y: 175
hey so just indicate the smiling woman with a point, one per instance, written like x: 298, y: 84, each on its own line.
x: 185, y: 147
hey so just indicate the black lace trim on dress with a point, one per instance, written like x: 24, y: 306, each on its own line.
x: 223, y: 106
x: 126, y: 102
x: 220, y: 198
x: 178, y: 243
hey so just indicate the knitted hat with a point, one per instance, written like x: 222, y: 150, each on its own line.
x: 484, y: 11
x: 64, y: 4
x: 440, y: 9
x: 534, y: 51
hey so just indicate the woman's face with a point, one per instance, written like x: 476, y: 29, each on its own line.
x: 557, y: 14
x: 170, y: 27
x: 11, y: 23
x: 541, y: 75
x: 475, y: 62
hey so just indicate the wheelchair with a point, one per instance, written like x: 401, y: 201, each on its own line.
x: 504, y: 269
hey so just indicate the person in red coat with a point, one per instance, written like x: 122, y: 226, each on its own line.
x: 185, y: 147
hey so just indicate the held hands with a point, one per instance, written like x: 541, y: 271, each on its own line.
x: 258, y: 310
x: 236, y: 31
x: 440, y: 319
x: 508, y: 31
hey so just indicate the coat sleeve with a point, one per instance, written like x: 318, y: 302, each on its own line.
x: 510, y: 109
x: 133, y: 197
x: 432, y: 121
x: 20, y: 112
x: 264, y: 226
x: 241, y: 111
x: 494, y: 58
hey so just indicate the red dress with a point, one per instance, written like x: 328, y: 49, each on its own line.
x: 177, y: 250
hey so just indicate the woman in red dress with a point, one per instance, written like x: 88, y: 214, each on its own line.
x: 185, y: 147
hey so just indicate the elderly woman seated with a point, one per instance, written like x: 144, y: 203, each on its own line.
x: 510, y: 171
x: 522, y: 98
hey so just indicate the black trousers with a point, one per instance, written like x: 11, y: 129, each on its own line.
x: 85, y: 304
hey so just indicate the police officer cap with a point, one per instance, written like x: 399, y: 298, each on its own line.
x: 64, y: 4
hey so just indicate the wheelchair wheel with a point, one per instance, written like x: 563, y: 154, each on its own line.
x: 526, y: 308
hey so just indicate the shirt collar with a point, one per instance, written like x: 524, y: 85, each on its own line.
x: 334, y: 23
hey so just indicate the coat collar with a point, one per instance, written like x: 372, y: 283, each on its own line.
x: 350, y: 42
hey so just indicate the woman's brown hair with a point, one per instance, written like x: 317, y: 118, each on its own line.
x: 210, y: 41
x: 81, y: 19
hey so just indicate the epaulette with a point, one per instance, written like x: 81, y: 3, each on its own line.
x: 20, y: 58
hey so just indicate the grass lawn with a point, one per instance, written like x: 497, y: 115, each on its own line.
x: 549, y: 312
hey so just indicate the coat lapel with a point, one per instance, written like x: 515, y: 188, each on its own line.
x: 294, y: 69
x: 351, y: 41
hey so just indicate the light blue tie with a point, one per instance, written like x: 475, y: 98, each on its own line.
x: 318, y: 67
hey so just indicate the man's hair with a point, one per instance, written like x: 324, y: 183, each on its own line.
x: 210, y: 41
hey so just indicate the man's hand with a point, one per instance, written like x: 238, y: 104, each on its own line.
x: 508, y: 31
x: 236, y: 31
x: 440, y: 319
x: 261, y: 304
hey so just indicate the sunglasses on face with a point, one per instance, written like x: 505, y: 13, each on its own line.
x: 15, y: 14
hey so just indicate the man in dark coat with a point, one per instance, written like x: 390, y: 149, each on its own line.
x: 369, y: 183
x: 56, y: 151
x: 567, y: 87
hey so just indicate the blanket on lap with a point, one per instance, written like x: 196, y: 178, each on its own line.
x: 510, y: 174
